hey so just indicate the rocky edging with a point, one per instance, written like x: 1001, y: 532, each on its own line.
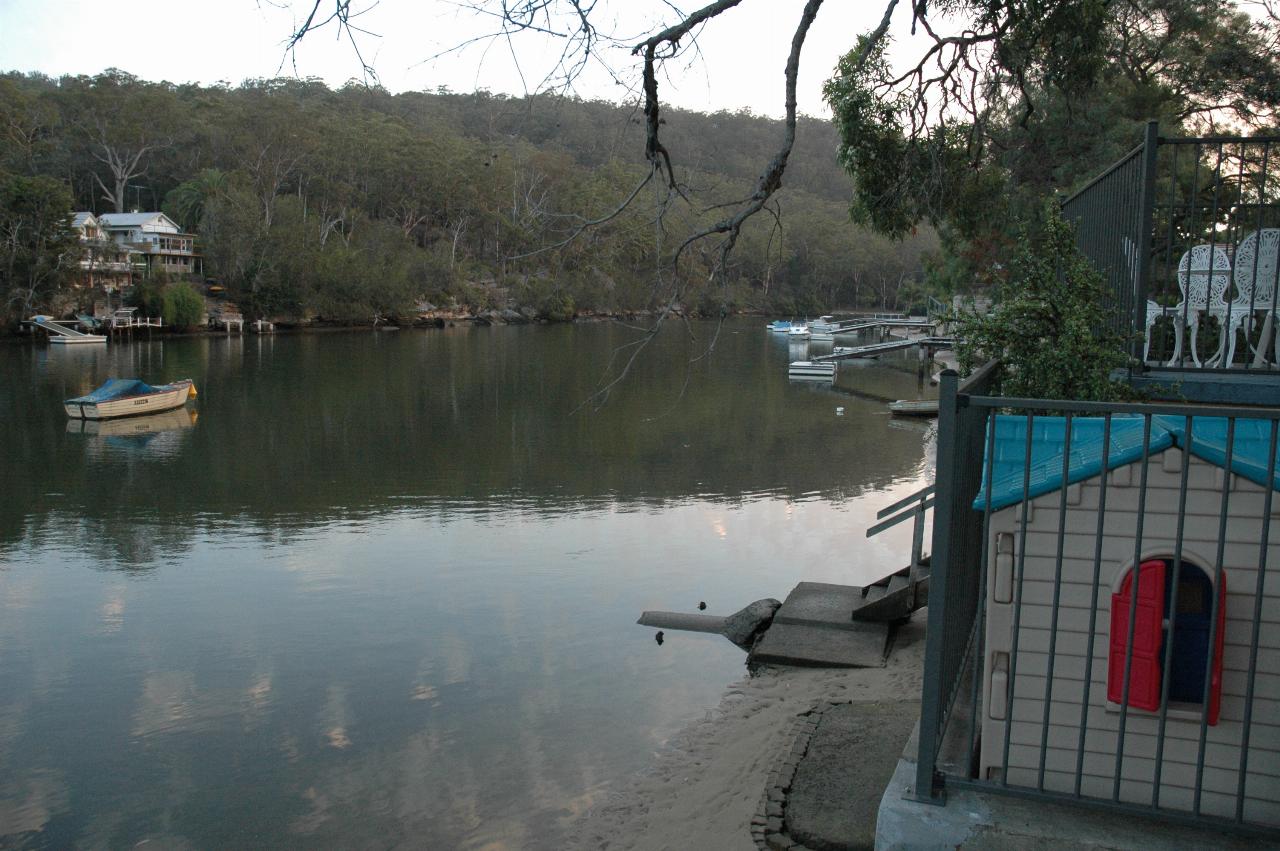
x: 768, y: 825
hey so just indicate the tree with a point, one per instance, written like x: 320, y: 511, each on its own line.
x: 1049, y: 328
x: 1081, y: 82
x: 38, y: 248
x: 186, y: 202
x: 273, y: 174
x: 930, y: 137
x: 124, y: 123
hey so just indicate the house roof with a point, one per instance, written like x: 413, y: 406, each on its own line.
x: 133, y: 220
x: 1207, y: 441
x: 80, y: 219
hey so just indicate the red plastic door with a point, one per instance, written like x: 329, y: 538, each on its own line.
x: 1148, y: 632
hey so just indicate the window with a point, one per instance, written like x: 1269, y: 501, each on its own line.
x: 1190, y: 649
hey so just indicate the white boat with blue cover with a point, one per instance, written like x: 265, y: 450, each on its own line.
x: 129, y: 397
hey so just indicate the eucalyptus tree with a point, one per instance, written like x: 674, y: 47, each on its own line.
x: 124, y: 123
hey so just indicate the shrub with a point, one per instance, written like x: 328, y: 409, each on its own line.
x: 182, y: 306
x: 557, y: 307
x: 1049, y: 326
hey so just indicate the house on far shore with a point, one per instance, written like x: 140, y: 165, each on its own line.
x: 104, y: 263
x: 159, y: 240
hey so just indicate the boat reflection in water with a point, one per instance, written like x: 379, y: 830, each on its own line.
x: 153, y: 434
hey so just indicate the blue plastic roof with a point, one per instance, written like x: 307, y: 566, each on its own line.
x: 115, y: 388
x: 1249, y: 453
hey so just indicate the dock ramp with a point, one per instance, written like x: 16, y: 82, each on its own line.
x: 62, y: 333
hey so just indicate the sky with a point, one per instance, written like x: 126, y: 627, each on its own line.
x: 743, y: 52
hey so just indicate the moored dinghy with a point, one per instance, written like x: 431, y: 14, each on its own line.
x: 127, y: 397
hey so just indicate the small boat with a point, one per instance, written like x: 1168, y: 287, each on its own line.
x: 799, y: 330
x: 128, y: 397
x: 811, y: 369
x: 780, y: 326
x: 914, y: 407
x: 823, y: 324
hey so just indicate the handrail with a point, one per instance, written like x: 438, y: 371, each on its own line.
x: 913, y: 511
x: 925, y: 491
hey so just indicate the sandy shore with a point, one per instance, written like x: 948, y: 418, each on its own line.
x: 702, y: 791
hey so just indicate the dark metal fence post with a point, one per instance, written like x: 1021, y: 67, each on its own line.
x: 1142, y: 242
x: 934, y: 694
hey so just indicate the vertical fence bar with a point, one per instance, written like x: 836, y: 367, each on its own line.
x: 979, y: 655
x: 1247, y: 723
x: 1275, y: 288
x: 1167, y: 666
x: 1169, y: 252
x: 1136, y: 574
x: 1017, y: 600
x: 1146, y: 200
x: 1214, y: 617
x: 1057, y: 598
x: 1093, y: 599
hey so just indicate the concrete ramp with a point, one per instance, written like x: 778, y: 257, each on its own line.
x: 823, y: 646
x: 60, y: 332
x: 814, y: 628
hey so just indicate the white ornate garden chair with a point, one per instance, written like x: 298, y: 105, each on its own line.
x: 1193, y: 273
x: 1204, y: 276
x: 1254, y: 271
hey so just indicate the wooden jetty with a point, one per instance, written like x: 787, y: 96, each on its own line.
x: 124, y: 320
x: 876, y: 349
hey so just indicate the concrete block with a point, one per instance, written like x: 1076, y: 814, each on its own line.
x: 820, y: 603
x: 863, y: 646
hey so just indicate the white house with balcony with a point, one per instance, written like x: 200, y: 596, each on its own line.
x: 159, y: 239
x: 103, y: 262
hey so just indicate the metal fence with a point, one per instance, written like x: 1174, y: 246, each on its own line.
x: 1104, y: 626
x: 954, y: 590
x: 1186, y: 233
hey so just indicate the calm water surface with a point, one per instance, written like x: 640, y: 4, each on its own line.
x: 380, y: 589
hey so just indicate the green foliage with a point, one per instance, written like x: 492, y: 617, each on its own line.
x: 181, y: 306
x: 309, y: 202
x: 1068, y: 90
x: 186, y: 202
x: 148, y: 295
x: 38, y: 249
x: 1049, y: 329
x: 558, y: 307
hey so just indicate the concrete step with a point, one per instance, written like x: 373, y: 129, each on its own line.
x: 895, y: 602
x: 820, y: 604
x: 861, y: 646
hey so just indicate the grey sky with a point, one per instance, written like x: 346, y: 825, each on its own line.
x: 210, y: 40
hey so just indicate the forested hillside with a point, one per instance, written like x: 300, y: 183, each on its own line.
x: 339, y: 205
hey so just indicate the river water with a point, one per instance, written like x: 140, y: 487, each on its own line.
x: 380, y: 589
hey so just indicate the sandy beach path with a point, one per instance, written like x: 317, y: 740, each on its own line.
x: 703, y: 789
